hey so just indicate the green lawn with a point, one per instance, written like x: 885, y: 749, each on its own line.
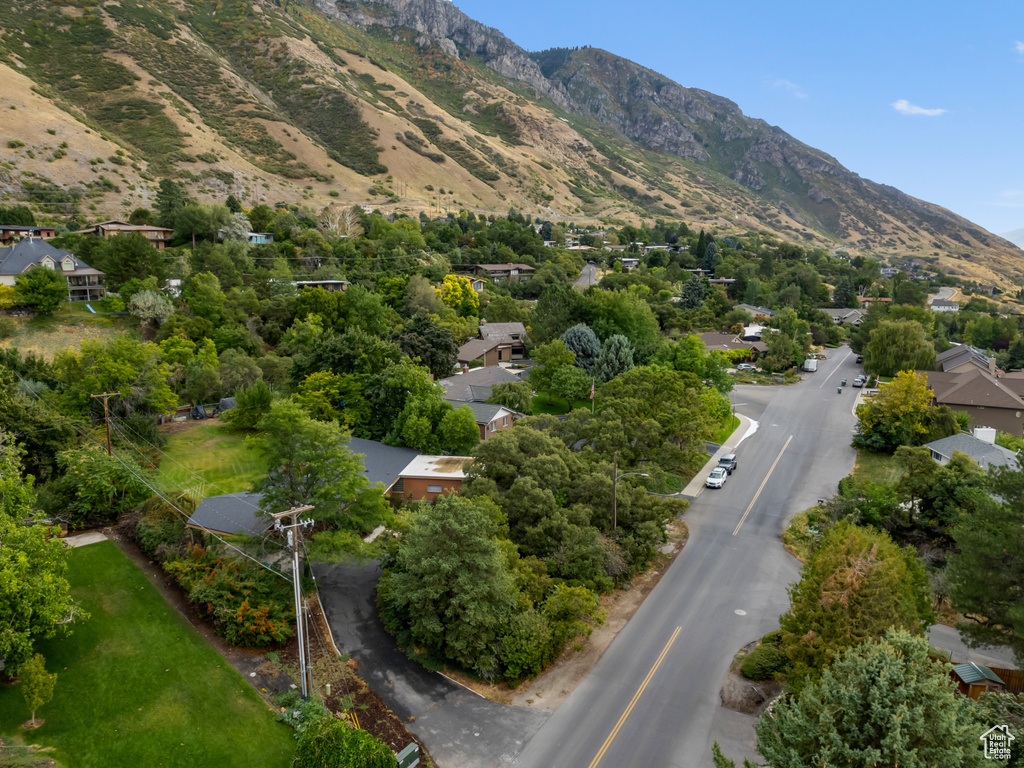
x: 137, y: 686
x: 208, y: 460
x: 877, y: 468
x: 727, y: 428
x: 557, y: 406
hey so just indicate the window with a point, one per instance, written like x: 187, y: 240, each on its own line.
x: 433, y: 489
x: 494, y: 425
x: 68, y: 265
x: 504, y: 421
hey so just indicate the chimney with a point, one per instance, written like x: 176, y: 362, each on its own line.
x: 986, y: 434
x: 465, y: 368
x: 992, y: 365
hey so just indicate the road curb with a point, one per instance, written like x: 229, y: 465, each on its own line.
x: 696, y: 485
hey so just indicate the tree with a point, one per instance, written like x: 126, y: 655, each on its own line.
x: 584, y: 343
x: 35, y: 597
x: 844, y: 295
x: 616, y: 357
x: 420, y: 296
x: 549, y: 358
x: 516, y: 395
x: 149, y: 306
x: 459, y: 431
x: 988, y: 571
x: 125, y: 257
x: 340, y: 221
x: 308, y: 462
x: 691, y: 355
x: 626, y: 313
x: 170, y: 198
x: 449, y: 590
x: 457, y: 292
x: 431, y: 346
x: 193, y: 220
x: 237, y: 369
x: 252, y: 403
x: 36, y: 683
x: 694, y: 292
x: 41, y: 289
x: 853, y: 588
x: 899, y: 345
x: 571, y: 384
x: 896, y: 415
x: 882, y: 703
x: 332, y: 743
x: 237, y: 228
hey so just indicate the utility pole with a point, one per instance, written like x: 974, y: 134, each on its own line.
x: 300, y: 615
x: 106, y: 416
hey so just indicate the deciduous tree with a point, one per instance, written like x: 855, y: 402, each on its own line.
x: 36, y: 683
x: 41, y: 289
x: 899, y: 345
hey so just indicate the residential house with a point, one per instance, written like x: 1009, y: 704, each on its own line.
x: 9, y: 233
x: 485, y: 350
x: 756, y: 312
x: 888, y: 272
x: 84, y: 282
x: 476, y: 384
x: 230, y: 514
x: 629, y: 265
x: 489, y: 417
x: 382, y: 463
x: 941, y: 305
x: 845, y: 316
x: 427, y: 477
x: 260, y: 238
x: 728, y: 342
x: 497, y: 272
x: 331, y: 286
x: 511, y: 338
x: 961, y: 358
x: 981, y: 447
x: 874, y: 300
x: 477, y: 283
x: 990, y: 400
x: 160, y: 237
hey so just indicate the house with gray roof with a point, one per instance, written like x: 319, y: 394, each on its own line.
x: 980, y: 447
x: 84, y: 282
x: 230, y: 514
x: 511, y: 338
x: 485, y: 350
x: 475, y: 385
x: 382, y: 463
x: 490, y: 418
x: 756, y: 311
x: 845, y: 315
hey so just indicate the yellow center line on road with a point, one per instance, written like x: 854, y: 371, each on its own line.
x: 763, y: 483
x: 834, y: 370
x: 636, y: 698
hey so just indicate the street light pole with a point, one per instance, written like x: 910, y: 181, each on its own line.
x: 615, y: 482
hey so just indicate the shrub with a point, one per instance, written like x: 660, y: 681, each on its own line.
x: 330, y: 743
x: 15, y: 144
x: 7, y: 327
x: 249, y: 605
x: 766, y: 660
x: 158, y: 533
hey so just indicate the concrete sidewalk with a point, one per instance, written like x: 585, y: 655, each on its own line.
x: 81, y: 539
x: 696, y: 485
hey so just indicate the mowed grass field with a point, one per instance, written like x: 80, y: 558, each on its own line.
x: 208, y: 459
x: 138, y: 687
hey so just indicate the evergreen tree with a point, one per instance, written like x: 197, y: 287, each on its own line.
x: 616, y: 357
x: 584, y: 343
x: 170, y: 198
x: 987, y: 573
x: 883, y: 703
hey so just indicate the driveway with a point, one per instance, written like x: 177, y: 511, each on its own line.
x: 459, y: 728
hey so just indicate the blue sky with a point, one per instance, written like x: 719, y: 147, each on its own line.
x: 925, y: 96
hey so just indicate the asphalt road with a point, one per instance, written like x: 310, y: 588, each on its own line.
x: 653, y: 698
x: 458, y: 727
x: 948, y: 639
x: 587, y: 278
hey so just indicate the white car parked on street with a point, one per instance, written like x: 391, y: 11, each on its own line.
x: 717, y: 478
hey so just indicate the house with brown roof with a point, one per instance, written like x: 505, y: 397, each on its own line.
x: 729, y: 342
x: 511, y: 338
x: 497, y: 272
x: 484, y: 350
x: 990, y: 400
x: 10, y: 233
x: 160, y: 237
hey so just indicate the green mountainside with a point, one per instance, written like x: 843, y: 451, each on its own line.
x: 409, y: 105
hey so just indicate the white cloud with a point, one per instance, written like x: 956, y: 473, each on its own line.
x: 1019, y: 47
x: 905, y: 107
x: 792, y: 88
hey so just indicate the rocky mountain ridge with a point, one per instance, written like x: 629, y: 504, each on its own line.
x: 412, y: 106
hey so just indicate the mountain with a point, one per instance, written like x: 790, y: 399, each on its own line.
x: 410, y: 105
x: 1016, y: 237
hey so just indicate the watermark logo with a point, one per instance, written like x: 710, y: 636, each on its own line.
x: 997, y: 742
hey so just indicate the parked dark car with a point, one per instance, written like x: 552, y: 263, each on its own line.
x: 860, y: 358
x: 728, y: 463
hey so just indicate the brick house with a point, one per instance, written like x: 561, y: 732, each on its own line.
x: 427, y: 477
